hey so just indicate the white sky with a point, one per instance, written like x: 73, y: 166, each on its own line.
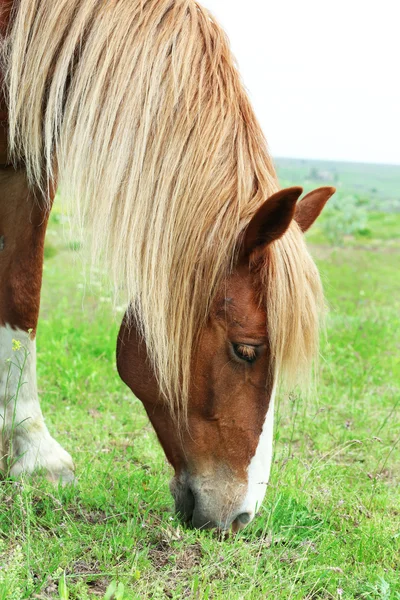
x: 323, y: 76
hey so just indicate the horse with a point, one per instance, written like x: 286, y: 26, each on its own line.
x: 136, y: 110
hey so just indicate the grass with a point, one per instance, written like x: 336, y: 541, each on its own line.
x: 329, y: 526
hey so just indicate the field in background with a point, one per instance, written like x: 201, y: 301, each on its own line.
x: 379, y: 185
x: 330, y: 525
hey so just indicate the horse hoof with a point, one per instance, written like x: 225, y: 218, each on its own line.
x: 45, y: 456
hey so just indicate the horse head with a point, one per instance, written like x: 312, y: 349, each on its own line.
x: 222, y: 454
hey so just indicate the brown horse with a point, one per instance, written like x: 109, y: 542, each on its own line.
x: 136, y: 110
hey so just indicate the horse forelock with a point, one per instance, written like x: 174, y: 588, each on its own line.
x: 291, y: 291
x: 140, y: 107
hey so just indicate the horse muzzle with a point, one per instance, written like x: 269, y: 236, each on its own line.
x: 210, y: 503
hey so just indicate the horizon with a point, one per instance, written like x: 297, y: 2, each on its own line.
x: 334, y: 160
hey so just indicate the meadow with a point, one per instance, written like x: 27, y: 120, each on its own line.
x: 329, y: 527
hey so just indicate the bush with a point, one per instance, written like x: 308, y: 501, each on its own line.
x: 345, y: 215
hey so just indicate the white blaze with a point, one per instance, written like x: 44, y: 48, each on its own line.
x: 260, y: 465
x: 23, y: 433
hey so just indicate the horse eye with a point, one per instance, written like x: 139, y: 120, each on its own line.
x: 245, y: 352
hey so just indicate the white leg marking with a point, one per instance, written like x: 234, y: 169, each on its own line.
x: 24, y: 437
x: 260, y: 465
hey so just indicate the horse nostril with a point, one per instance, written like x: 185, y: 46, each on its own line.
x: 244, y: 518
x: 189, y: 504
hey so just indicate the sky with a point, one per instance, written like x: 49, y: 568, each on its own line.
x: 323, y: 75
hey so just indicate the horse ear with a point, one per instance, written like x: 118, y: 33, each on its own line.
x: 311, y: 206
x: 270, y: 221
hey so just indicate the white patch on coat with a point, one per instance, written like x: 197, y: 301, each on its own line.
x: 259, y: 468
x: 24, y: 437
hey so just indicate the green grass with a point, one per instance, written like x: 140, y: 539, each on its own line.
x: 330, y: 524
x: 382, y: 233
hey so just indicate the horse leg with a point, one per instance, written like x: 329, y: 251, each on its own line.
x: 25, y: 442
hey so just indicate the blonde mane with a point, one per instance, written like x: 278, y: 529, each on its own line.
x: 136, y: 108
